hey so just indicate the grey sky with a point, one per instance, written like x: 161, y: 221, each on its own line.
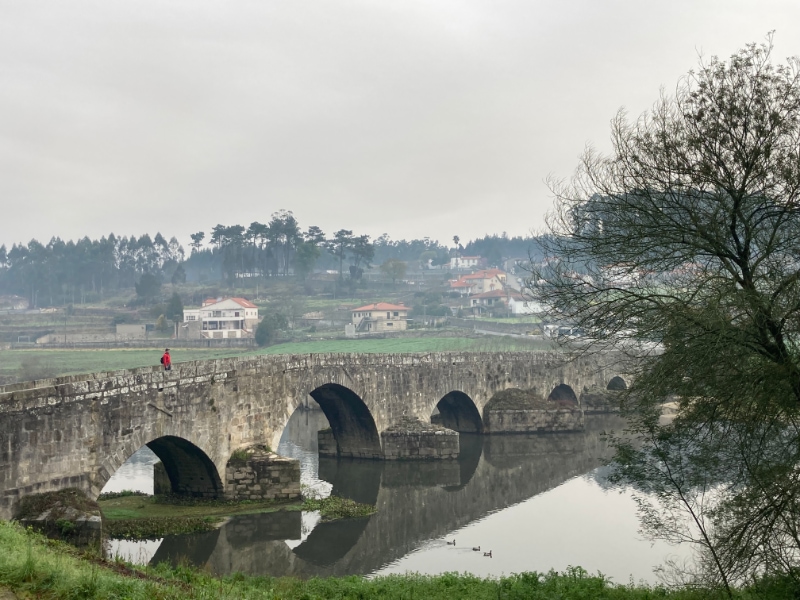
x: 415, y: 118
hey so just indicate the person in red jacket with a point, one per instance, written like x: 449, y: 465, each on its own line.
x: 166, y: 360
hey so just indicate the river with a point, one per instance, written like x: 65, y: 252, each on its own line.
x: 537, y: 502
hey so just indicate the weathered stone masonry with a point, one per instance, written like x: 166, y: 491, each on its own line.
x: 77, y: 430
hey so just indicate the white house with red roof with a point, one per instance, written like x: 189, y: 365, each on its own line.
x: 222, y: 318
x: 380, y: 317
x: 485, y: 280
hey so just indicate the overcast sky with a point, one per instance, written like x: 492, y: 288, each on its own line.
x: 415, y: 118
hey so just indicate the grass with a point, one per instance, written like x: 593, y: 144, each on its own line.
x: 334, y: 507
x: 157, y: 527
x: 137, y: 517
x: 398, y: 345
x: 41, y: 364
x: 131, y: 515
x: 511, y: 320
x: 25, y: 365
x: 156, y: 507
x: 32, y: 566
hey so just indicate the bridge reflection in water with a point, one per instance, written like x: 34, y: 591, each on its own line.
x: 416, y: 502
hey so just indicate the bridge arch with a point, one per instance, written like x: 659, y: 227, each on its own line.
x: 617, y: 383
x: 459, y: 413
x: 351, y: 422
x: 191, y: 472
x: 563, y: 392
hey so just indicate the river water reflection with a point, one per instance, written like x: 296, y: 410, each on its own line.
x: 536, y: 501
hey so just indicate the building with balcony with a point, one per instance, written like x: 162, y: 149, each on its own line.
x: 220, y: 318
x: 380, y: 317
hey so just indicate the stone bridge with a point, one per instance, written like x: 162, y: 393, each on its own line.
x: 76, y: 431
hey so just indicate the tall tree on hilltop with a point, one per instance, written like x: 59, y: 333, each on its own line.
x: 362, y: 252
x: 340, y: 245
x: 308, y: 251
x: 285, y: 233
x: 197, y: 241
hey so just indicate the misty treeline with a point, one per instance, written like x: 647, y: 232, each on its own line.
x: 88, y: 270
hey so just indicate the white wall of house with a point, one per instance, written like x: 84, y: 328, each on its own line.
x: 524, y: 307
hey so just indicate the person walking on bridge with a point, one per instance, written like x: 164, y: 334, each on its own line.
x: 166, y: 360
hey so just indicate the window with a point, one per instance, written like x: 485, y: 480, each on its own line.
x: 216, y: 313
x: 236, y: 314
x: 396, y: 314
x: 388, y: 315
x: 190, y: 318
x: 390, y: 324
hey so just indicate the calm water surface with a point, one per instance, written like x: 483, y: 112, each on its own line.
x: 538, y: 502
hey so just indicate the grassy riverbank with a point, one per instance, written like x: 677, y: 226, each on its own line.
x: 140, y: 506
x: 31, y: 566
x: 138, y: 516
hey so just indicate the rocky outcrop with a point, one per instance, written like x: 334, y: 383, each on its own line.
x: 67, y: 515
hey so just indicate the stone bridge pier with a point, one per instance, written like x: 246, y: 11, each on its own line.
x: 76, y: 431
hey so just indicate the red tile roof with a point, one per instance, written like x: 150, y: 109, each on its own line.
x: 380, y: 306
x: 484, y: 274
x: 240, y: 301
x: 243, y: 302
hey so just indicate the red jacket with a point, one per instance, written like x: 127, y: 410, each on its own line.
x: 166, y: 360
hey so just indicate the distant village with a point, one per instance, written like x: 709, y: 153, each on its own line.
x: 467, y: 289
x: 273, y: 278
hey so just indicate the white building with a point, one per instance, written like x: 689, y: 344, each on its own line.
x: 223, y: 318
x: 465, y: 262
x: 521, y: 305
x: 380, y: 317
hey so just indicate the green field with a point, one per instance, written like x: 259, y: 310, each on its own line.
x: 422, y: 344
x: 531, y: 319
x: 27, y: 365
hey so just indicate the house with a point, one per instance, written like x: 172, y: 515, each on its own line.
x: 461, y: 263
x: 524, y: 305
x: 221, y: 318
x: 517, y: 303
x: 490, y: 298
x: 479, y: 282
x: 461, y: 286
x: 380, y: 317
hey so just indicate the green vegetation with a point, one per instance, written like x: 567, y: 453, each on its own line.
x: 158, y: 507
x: 530, y: 319
x: 267, y: 330
x: 40, y: 364
x: 422, y: 344
x: 57, y: 503
x: 122, y: 494
x: 32, y: 566
x: 25, y: 365
x: 240, y: 455
x: 334, y: 507
x: 153, y: 528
